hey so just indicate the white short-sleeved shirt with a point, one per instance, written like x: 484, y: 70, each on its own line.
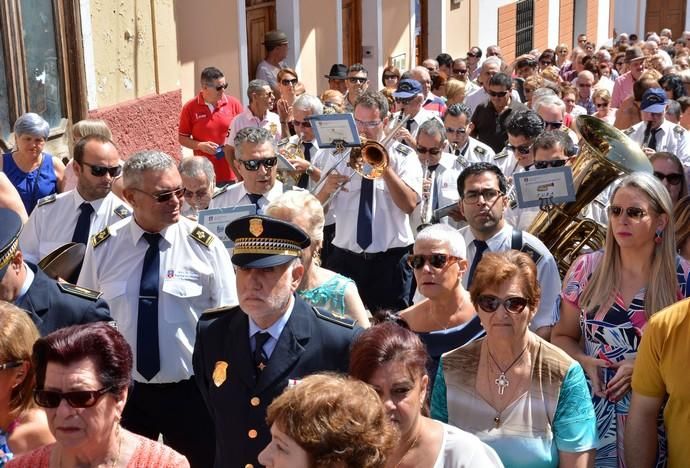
x: 237, y: 195
x: 270, y: 122
x: 462, y: 449
x: 671, y: 138
x: 52, y: 222
x: 422, y: 116
x: 193, y: 277
x: 444, y: 190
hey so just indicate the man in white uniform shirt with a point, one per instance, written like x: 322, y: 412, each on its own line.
x: 373, y: 234
x: 458, y: 127
x: 305, y: 106
x: 257, y: 163
x: 482, y: 189
x: 409, y: 99
x: 159, y: 271
x: 523, y: 127
x: 78, y: 214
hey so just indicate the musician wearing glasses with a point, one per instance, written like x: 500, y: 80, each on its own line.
x: 524, y: 397
x: 83, y: 376
x: 77, y: 215
x: 522, y: 128
x: 483, y: 202
x: 205, y: 120
x: 408, y: 102
x: 159, y: 271
x: 304, y: 140
x: 257, y: 164
x: 357, y: 83
x: 458, y: 127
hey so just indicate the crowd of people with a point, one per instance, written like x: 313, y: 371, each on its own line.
x: 418, y: 317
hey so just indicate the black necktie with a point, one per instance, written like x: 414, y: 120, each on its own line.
x: 254, y: 198
x: 81, y: 230
x: 304, y: 178
x: 260, y: 357
x: 148, y: 354
x: 408, y: 125
x: 479, y: 248
x: 365, y: 216
x: 434, y: 186
x: 652, y: 139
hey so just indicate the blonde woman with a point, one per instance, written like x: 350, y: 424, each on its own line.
x: 455, y: 92
x: 609, y: 295
x: 602, y: 101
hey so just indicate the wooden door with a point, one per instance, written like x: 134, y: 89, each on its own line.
x: 261, y: 18
x: 665, y: 14
x: 421, y: 31
x: 352, y: 31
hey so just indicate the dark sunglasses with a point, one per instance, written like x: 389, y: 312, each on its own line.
x: 554, y: 125
x: 498, y: 94
x: 198, y: 194
x: 435, y: 260
x: 470, y: 54
x: 522, y: 149
x: 602, y: 104
x: 460, y: 130
x: 287, y: 82
x: 432, y: 151
x: 459, y: 71
x: 354, y: 79
x: 618, y: 64
x: 100, y: 171
x: 513, y: 305
x: 221, y: 87
x: 165, y: 196
x: 80, y: 399
x: 673, y: 179
x: 253, y: 164
x: 633, y: 212
x: 298, y: 123
x: 553, y: 163
x: 10, y: 365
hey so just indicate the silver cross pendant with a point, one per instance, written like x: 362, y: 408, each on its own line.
x: 502, y: 382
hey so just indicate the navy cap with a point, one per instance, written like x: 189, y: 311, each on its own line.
x: 10, y: 227
x: 653, y: 100
x: 407, y: 88
x: 262, y: 241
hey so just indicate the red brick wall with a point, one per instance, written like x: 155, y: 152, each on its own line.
x: 565, y: 20
x: 145, y: 124
x: 541, y: 25
x: 506, y: 31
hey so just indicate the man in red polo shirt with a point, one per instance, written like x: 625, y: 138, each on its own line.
x: 205, y: 120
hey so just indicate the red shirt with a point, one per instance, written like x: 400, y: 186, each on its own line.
x: 199, y: 122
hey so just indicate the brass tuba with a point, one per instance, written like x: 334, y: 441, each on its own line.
x: 605, y: 154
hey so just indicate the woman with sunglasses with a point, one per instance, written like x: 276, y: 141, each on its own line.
x: 670, y: 171
x: 83, y: 374
x: 23, y: 426
x: 521, y: 395
x: 287, y: 81
x: 609, y: 295
x: 390, y: 77
x: 561, y: 56
x: 602, y: 101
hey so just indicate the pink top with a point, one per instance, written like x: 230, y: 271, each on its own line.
x: 622, y: 88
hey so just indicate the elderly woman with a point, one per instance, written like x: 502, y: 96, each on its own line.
x: 328, y: 421
x: 33, y: 173
x: 23, y: 426
x: 670, y: 171
x: 83, y: 375
x: 609, y: 295
x: 320, y: 287
x: 287, y: 82
x: 521, y: 395
x: 602, y: 101
x: 199, y: 182
x: 562, y: 56
x: 446, y: 319
x: 392, y: 360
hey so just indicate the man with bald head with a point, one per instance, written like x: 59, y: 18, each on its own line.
x: 585, y: 90
x: 431, y: 102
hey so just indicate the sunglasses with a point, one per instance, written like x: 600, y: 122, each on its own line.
x: 633, y: 212
x: 165, y: 196
x: 355, y: 80
x: 100, y: 171
x: 470, y: 54
x: 203, y: 193
x: 10, y: 365
x: 287, y: 82
x: 602, y: 104
x: 618, y: 64
x: 435, y: 260
x: 80, y: 399
x: 253, y: 164
x: 432, y: 151
x: 488, y: 195
x: 390, y: 77
x: 458, y: 131
x: 522, y: 149
x: 513, y: 305
x: 673, y: 179
x: 221, y: 87
x: 553, y: 125
x: 298, y: 123
x: 459, y: 71
x: 498, y: 93
x: 553, y: 163
x: 584, y: 85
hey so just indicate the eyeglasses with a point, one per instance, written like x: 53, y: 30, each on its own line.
x: 221, y: 87
x: 553, y: 125
x: 580, y: 41
x: 633, y: 212
x: 563, y: 51
x: 79, y: 399
x: 488, y: 195
x: 368, y: 124
x: 602, y: 104
x: 459, y: 71
x: 435, y: 260
x: 673, y: 179
x: 470, y: 54
x: 584, y: 85
x: 298, y: 123
x: 522, y: 149
x: 287, y: 82
x: 552, y: 163
x: 404, y: 101
x: 513, y: 305
x: 432, y: 151
x: 619, y: 63
x: 253, y: 164
x: 390, y: 77
x: 461, y: 130
x: 198, y: 194
x: 165, y: 196
x: 356, y: 80
x: 100, y: 171
x: 498, y: 93
x: 10, y: 365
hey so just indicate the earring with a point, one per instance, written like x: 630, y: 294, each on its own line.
x: 659, y: 236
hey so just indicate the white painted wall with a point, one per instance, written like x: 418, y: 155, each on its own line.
x: 487, y: 33
x: 287, y: 20
x: 372, y: 36
x: 89, y: 60
x: 553, y: 27
x: 437, y: 27
x: 603, y: 24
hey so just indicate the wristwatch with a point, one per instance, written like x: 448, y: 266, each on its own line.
x: 309, y: 170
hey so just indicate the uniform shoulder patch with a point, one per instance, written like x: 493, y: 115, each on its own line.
x: 629, y: 131
x: 479, y: 150
x: 339, y: 319
x: 220, y: 191
x: 501, y: 155
x: 202, y: 236
x: 46, y: 200
x: 122, y: 211
x: 403, y: 149
x: 99, y: 238
x: 73, y: 289
x: 679, y: 130
x: 532, y: 252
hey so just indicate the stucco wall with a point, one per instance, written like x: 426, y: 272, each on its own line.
x: 397, y: 33
x: 458, y: 29
x: 319, y: 46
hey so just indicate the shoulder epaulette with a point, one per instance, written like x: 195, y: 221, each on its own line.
x: 202, y: 236
x: 339, y: 319
x: 99, y: 238
x: 217, y: 310
x: 283, y: 142
x: 403, y: 149
x: 45, y: 200
x: 479, y: 150
x: 501, y: 155
x: 679, y: 130
x: 122, y: 211
x: 73, y: 289
x: 629, y: 131
x: 532, y: 252
x: 220, y: 191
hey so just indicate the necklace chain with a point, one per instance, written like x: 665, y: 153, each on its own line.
x: 502, y: 381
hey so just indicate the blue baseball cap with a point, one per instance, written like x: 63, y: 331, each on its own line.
x: 407, y: 88
x: 654, y: 101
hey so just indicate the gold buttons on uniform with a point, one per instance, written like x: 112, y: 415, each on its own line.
x: 255, y: 401
x: 252, y: 433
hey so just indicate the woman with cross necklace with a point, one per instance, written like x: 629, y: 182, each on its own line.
x: 521, y: 395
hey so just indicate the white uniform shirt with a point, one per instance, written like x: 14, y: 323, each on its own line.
x: 237, y: 195
x: 547, y: 271
x: 444, y: 189
x: 52, y: 223
x: 312, y: 155
x: 391, y: 226
x: 507, y: 163
x: 422, y: 116
x: 671, y: 138
x: 193, y: 277
x: 473, y: 151
x: 270, y: 122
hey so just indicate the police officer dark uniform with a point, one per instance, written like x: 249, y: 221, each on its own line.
x: 246, y: 356
x: 50, y: 304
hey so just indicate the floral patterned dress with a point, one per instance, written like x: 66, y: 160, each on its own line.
x: 614, y: 335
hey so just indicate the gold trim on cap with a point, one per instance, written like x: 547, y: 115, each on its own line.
x: 9, y: 253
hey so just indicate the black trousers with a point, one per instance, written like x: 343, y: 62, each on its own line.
x: 384, y: 279
x: 176, y: 411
